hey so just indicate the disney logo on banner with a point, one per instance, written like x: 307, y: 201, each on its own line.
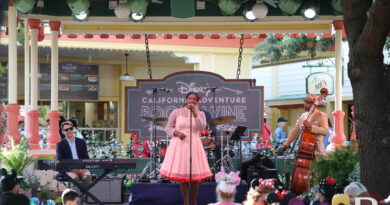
x: 185, y: 88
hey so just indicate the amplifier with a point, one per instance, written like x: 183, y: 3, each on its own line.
x: 108, y: 190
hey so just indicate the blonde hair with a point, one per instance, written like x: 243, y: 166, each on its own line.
x: 225, y: 197
x: 254, y: 194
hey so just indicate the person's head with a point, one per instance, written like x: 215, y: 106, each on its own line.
x: 340, y: 199
x: 282, y: 122
x: 280, y: 197
x: 67, y: 129
x: 192, y: 98
x: 326, y: 190
x: 10, y: 182
x: 353, y: 190
x: 258, y: 194
x: 265, y: 117
x: 226, y: 188
x: 21, y: 124
x: 309, y: 100
x: 70, y: 197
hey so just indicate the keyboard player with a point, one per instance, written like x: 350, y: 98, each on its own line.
x: 71, y: 147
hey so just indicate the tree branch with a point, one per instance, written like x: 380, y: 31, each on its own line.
x: 377, y: 27
x: 354, y: 19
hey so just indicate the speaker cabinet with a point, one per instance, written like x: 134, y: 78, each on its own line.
x: 108, y: 190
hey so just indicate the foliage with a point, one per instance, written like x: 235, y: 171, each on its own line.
x: 46, y: 193
x: 3, y: 69
x: 338, y: 165
x: 31, y: 181
x: 288, y: 48
x: 16, y: 157
x: 102, y: 149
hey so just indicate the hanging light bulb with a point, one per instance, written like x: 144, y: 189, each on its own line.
x: 137, y: 16
x: 126, y: 77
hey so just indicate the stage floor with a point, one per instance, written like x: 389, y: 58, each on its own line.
x: 150, y: 194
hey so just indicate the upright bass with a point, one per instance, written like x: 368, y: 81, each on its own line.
x: 305, y: 154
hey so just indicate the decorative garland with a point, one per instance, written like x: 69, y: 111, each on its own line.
x: 277, y: 49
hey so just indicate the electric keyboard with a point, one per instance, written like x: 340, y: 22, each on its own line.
x: 106, y: 164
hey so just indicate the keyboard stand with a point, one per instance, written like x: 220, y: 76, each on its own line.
x: 85, y: 190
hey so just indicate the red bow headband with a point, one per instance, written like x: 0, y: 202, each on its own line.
x: 330, y: 181
x: 281, y: 195
x: 267, y: 182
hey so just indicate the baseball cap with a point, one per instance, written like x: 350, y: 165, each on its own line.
x: 281, y: 119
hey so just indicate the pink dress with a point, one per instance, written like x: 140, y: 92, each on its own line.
x: 176, y: 165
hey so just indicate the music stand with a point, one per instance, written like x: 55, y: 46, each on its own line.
x: 236, y: 136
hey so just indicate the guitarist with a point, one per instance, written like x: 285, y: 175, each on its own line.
x: 317, y: 124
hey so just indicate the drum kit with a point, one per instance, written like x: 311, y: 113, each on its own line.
x: 208, y: 139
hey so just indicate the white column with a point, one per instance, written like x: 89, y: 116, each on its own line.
x: 26, y: 74
x: 339, y: 67
x: 54, y: 70
x: 34, y: 69
x: 12, y: 55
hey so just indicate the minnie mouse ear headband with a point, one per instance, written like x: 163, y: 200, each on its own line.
x: 282, y: 197
x: 266, y: 182
x: 9, y: 181
x: 327, y: 186
x: 227, y: 182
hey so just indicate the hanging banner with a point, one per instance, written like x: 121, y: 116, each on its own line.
x: 316, y: 81
x: 76, y: 82
x: 237, y: 98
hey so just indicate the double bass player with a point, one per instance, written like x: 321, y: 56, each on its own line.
x: 317, y: 124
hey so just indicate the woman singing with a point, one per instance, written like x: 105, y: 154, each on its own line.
x: 176, y: 165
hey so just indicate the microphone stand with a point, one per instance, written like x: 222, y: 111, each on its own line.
x: 190, y: 188
x: 155, y: 132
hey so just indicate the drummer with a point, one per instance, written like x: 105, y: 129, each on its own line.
x: 209, y: 117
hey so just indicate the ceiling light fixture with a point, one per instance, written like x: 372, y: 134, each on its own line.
x: 122, y: 11
x: 229, y: 7
x: 24, y: 6
x: 126, y: 77
x: 137, y: 16
x: 79, y: 9
x: 310, y: 10
x: 289, y: 7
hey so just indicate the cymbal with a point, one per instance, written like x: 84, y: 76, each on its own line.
x: 160, y: 121
x: 221, y: 120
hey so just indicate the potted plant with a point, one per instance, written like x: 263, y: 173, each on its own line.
x: 339, y: 165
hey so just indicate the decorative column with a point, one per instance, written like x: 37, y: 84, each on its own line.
x: 33, y: 133
x: 54, y: 135
x: 12, y: 108
x: 26, y: 76
x: 338, y: 136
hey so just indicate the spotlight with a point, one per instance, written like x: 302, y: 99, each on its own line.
x: 82, y: 15
x: 79, y: 9
x: 250, y: 15
x: 137, y: 17
x: 310, y: 10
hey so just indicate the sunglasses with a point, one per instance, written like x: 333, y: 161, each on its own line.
x: 67, y: 129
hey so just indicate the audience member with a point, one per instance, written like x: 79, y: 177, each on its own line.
x: 70, y: 197
x: 353, y: 190
x: 326, y: 191
x: 279, y: 133
x: 226, y: 188
x: 340, y: 199
x: 282, y: 198
x: 258, y: 194
x: 10, y: 187
x: 328, y: 138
